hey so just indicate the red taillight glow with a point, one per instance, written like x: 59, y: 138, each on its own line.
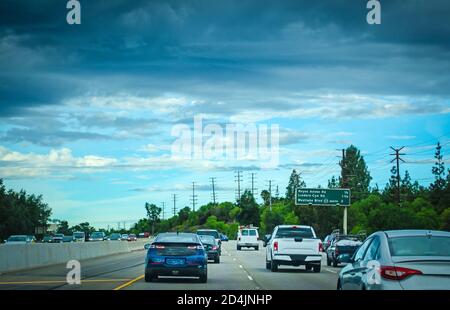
x: 294, y: 227
x: 275, y: 246
x: 215, y: 248
x: 159, y: 246
x: 320, y: 247
x: 397, y: 273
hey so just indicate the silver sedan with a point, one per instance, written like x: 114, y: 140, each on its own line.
x: 399, y: 260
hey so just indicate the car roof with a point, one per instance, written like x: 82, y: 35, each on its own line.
x: 207, y: 230
x: 416, y: 232
x: 289, y: 226
x: 18, y: 236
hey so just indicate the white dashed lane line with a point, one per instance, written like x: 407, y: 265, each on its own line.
x: 250, y: 278
x: 330, y: 270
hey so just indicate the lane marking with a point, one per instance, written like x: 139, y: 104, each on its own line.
x: 240, y: 266
x: 250, y: 278
x: 129, y: 283
x: 330, y: 270
x: 61, y: 281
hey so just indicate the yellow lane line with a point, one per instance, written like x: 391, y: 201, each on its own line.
x: 129, y: 283
x: 61, y: 281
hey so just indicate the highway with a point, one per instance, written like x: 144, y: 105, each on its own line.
x: 238, y: 270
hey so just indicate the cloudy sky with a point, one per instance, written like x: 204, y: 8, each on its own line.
x: 87, y: 111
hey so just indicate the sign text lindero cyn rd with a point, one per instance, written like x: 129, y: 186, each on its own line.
x: 322, y: 197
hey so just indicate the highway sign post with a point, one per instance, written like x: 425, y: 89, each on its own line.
x: 324, y: 197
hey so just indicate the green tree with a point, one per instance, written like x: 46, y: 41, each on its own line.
x: 153, y: 213
x: 249, y: 209
x: 356, y: 173
x: 438, y: 186
x: 294, y: 183
x: 64, y: 228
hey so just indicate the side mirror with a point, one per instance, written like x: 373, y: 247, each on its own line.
x: 147, y: 246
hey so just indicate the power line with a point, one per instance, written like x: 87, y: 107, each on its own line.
x: 193, y: 197
x: 214, y: 195
x: 398, y: 159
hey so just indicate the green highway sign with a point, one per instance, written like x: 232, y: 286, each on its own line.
x: 322, y: 197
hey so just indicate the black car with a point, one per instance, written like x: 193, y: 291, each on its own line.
x: 211, y: 248
x: 176, y: 254
x: 214, y: 233
x: 342, y: 246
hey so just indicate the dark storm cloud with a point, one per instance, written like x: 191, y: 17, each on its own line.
x: 220, y: 50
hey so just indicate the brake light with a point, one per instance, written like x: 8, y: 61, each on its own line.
x: 215, y: 248
x: 275, y: 246
x: 158, y: 246
x: 194, y: 247
x: 397, y: 273
x: 294, y: 227
x: 336, y: 251
x: 320, y: 247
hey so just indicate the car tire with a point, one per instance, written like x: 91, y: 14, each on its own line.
x: 273, y: 266
x: 267, y: 265
x: 217, y: 260
x: 203, y: 278
x: 256, y: 248
x: 339, y: 286
x: 328, y: 261
x: 308, y: 267
x: 238, y: 248
x: 335, y: 263
x: 316, y: 269
x: 149, y: 277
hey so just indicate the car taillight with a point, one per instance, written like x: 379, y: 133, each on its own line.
x: 157, y: 246
x: 194, y: 247
x: 275, y: 246
x: 320, y: 247
x: 336, y: 252
x: 397, y: 273
x: 215, y: 248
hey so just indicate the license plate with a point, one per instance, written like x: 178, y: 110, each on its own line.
x: 175, y: 261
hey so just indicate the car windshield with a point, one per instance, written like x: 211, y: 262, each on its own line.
x: 419, y: 246
x: 132, y: 236
x: 17, y: 238
x: 249, y: 232
x: 207, y: 239
x: 177, y: 238
x: 213, y: 233
x: 294, y: 232
x: 97, y: 235
x: 78, y: 235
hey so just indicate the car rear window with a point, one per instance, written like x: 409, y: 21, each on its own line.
x: 419, y: 246
x: 213, y: 233
x: 17, y: 239
x: 78, y: 235
x: 249, y: 232
x: 293, y: 232
x: 207, y: 239
x: 177, y: 238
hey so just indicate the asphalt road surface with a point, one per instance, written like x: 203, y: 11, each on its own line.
x: 238, y: 270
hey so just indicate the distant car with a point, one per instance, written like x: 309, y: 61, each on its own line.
x: 211, y: 247
x: 266, y: 239
x: 124, y: 237
x: 176, y: 254
x: 68, y: 239
x: 342, y: 245
x: 97, y: 236
x: 57, y: 238
x: 214, y: 233
x: 79, y: 236
x: 132, y: 237
x: 223, y: 237
x: 46, y: 239
x: 17, y: 239
x: 247, y: 238
x: 114, y: 237
x: 399, y: 260
x: 327, y: 242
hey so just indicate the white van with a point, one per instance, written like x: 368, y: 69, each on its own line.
x: 248, y: 238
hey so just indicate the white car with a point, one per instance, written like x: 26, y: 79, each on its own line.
x: 294, y: 245
x: 247, y: 238
x: 17, y: 239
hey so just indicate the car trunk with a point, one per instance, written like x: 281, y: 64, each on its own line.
x: 435, y: 272
x: 176, y: 249
x: 301, y: 246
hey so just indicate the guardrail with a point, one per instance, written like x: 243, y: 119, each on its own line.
x: 16, y: 257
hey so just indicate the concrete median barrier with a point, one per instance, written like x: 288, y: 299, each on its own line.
x: 16, y: 257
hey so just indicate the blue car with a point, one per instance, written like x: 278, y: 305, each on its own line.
x: 176, y: 254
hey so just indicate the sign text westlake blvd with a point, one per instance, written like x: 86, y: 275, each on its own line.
x: 322, y: 197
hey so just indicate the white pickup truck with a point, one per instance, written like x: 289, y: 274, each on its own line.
x: 294, y: 245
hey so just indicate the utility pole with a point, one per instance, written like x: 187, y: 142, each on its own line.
x: 118, y: 225
x: 253, y: 185
x: 238, y: 180
x: 213, y: 180
x: 398, y: 159
x: 174, y: 204
x: 270, y: 195
x: 124, y: 227
x: 344, y: 185
x: 163, y: 209
x: 194, y: 197
x: 277, y: 193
